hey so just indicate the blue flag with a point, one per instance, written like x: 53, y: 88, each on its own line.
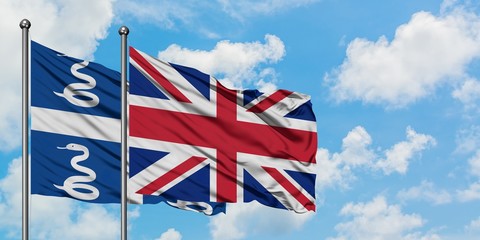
x: 75, y: 132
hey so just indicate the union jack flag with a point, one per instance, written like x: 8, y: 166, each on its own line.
x: 193, y: 139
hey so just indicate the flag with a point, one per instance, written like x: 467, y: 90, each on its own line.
x: 75, y: 131
x: 192, y: 138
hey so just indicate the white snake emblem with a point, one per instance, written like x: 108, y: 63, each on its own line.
x: 79, y: 182
x: 75, y: 92
x: 185, y: 205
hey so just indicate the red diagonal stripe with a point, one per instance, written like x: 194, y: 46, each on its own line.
x: 157, y: 76
x: 295, y: 192
x: 269, y: 101
x: 171, y: 175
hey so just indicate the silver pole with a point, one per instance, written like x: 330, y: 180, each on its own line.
x: 123, y: 31
x: 25, y: 26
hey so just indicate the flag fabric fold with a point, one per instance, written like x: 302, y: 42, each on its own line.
x: 75, y: 132
x: 191, y: 138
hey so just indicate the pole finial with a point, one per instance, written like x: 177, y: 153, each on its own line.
x: 123, y: 30
x: 25, y: 24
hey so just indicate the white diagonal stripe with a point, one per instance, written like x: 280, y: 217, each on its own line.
x: 160, y: 168
x: 256, y: 161
x: 179, y: 152
x: 274, y: 116
x: 288, y: 104
x: 253, y: 164
x: 174, y: 77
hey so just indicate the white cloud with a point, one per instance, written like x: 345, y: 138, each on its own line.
x: 92, y: 222
x: 448, y: 5
x: 473, y: 226
x: 398, y: 157
x: 425, y: 191
x: 474, y: 163
x: 411, y: 66
x: 331, y: 171
x: 249, y: 219
x: 11, y: 196
x: 471, y: 231
x: 336, y: 169
x: 234, y: 63
x: 377, y: 220
x: 468, y: 93
x: 52, y: 217
x: 242, y: 9
x: 73, y: 27
x: 357, y: 152
x: 170, y: 234
x: 134, y: 213
x: 468, y: 140
x: 470, y: 194
x: 420, y: 236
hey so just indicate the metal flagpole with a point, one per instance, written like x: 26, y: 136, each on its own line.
x: 123, y: 31
x: 25, y: 26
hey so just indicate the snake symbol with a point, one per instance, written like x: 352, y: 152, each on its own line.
x: 79, y: 182
x: 187, y: 205
x: 76, y: 93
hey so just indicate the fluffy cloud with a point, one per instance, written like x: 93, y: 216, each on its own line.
x: 468, y: 94
x: 474, y: 163
x: 51, y: 217
x: 468, y: 140
x: 337, y: 168
x: 473, y: 226
x: 472, y: 193
x: 411, y: 66
x: 425, y: 191
x: 170, y: 234
x: 241, y: 69
x: 11, y: 197
x: 93, y: 222
x: 331, y: 171
x: 398, y: 157
x: 355, y: 148
x: 378, y: 220
x: 73, y: 27
x: 249, y: 219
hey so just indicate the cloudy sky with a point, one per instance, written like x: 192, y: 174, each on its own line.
x: 395, y: 87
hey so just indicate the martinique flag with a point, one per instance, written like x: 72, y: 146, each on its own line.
x: 75, y: 131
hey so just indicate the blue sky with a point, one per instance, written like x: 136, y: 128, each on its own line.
x: 395, y: 88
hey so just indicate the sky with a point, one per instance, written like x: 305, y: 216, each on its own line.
x: 395, y: 87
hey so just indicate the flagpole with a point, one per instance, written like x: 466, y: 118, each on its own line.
x: 25, y: 26
x: 123, y: 31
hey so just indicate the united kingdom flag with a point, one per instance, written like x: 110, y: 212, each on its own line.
x: 195, y: 140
